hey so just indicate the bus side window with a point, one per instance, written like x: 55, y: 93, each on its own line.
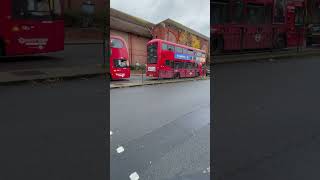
x: 178, y: 49
x: 185, y: 51
x: 164, y: 46
x: 171, y: 48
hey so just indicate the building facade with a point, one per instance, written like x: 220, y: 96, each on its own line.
x: 137, y: 32
x: 172, y: 31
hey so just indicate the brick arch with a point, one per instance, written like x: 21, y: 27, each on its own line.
x: 172, y: 37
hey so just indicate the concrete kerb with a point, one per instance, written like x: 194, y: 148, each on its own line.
x: 266, y: 57
x: 155, y: 82
x: 62, y: 73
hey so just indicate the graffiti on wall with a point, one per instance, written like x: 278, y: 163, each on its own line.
x: 183, y: 38
x: 195, y: 42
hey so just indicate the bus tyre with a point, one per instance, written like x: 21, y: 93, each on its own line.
x: 177, y: 76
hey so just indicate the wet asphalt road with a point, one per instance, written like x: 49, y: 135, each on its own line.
x: 163, y: 129
x: 267, y: 120
x: 54, y: 131
x: 73, y: 55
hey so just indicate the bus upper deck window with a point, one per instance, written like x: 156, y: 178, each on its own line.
x: 116, y: 43
x: 170, y: 48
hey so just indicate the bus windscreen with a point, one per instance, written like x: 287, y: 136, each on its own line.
x: 152, y: 53
x: 35, y: 9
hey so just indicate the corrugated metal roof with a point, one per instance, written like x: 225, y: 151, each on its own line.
x: 127, y: 23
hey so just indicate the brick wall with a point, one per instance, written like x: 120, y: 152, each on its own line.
x: 180, y: 36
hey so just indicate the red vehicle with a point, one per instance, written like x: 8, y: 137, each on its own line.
x: 295, y: 30
x: 119, y: 64
x: 169, y: 60
x: 256, y: 24
x: 31, y: 26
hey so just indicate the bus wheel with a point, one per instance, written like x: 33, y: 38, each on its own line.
x: 177, y: 76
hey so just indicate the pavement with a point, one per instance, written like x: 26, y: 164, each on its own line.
x: 161, y: 131
x: 266, y: 120
x: 265, y: 55
x: 76, y: 60
x: 54, y: 130
x: 136, y: 80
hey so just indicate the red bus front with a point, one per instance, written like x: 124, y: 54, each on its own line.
x: 169, y: 60
x: 119, y: 64
x: 31, y: 27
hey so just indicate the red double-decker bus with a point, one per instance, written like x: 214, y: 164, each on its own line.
x: 31, y: 27
x: 119, y: 64
x: 169, y: 60
x: 256, y: 24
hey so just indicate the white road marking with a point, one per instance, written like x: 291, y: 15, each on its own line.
x: 204, y: 171
x: 120, y: 149
x: 134, y: 176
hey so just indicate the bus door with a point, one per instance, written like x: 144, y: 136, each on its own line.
x: 256, y: 32
x: 179, y: 69
x: 182, y: 70
x: 34, y: 29
x: 189, y: 69
x: 233, y: 33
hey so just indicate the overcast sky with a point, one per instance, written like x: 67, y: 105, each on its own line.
x: 194, y: 14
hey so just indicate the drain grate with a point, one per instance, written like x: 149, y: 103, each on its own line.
x: 28, y: 73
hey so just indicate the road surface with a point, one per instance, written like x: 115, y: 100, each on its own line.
x: 73, y: 55
x: 54, y: 130
x: 161, y: 131
x: 266, y: 120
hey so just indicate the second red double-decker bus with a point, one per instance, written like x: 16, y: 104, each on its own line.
x: 31, y: 27
x: 247, y: 24
x: 119, y: 64
x: 169, y: 60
